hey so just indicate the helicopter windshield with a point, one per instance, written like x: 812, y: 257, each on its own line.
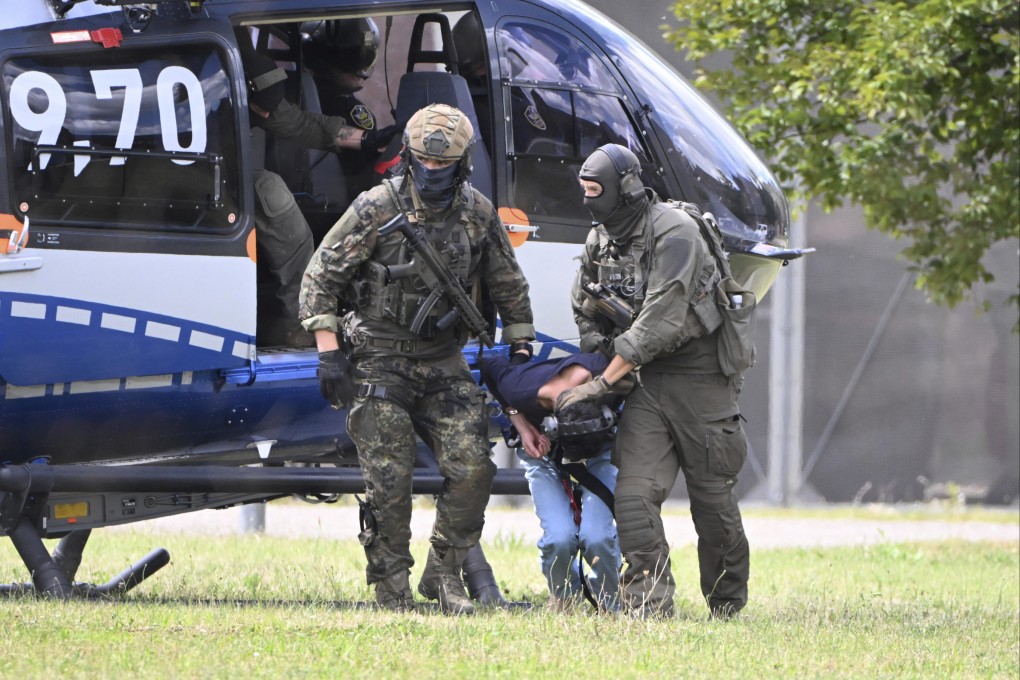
x: 717, y: 167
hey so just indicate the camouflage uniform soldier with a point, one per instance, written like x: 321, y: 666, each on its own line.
x: 403, y: 382
x: 683, y: 415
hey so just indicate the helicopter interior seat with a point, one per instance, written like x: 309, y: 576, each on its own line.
x: 418, y: 89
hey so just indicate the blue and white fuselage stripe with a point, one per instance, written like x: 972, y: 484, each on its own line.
x: 96, y: 315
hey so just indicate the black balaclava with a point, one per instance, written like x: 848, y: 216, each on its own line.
x: 265, y: 81
x: 436, y: 188
x: 619, y: 214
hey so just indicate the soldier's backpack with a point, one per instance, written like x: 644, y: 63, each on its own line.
x: 736, y: 304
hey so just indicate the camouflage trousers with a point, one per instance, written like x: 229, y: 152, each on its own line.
x: 437, y: 400
x: 674, y: 422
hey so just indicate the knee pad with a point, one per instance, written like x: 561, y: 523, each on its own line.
x: 637, y: 523
x: 274, y: 197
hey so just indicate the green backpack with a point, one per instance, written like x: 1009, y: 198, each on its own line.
x: 736, y: 305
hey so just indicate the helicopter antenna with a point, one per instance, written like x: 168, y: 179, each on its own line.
x: 386, y: 66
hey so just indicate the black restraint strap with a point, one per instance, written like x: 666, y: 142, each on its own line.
x: 584, y: 477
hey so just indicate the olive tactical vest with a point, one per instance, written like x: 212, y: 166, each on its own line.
x: 388, y: 286
x: 625, y: 274
x: 622, y: 274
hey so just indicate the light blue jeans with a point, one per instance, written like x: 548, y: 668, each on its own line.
x: 562, y: 538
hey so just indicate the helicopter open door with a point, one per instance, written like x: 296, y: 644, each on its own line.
x: 123, y: 151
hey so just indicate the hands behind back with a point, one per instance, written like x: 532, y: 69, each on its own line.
x: 535, y: 444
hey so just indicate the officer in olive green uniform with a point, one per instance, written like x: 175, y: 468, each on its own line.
x: 683, y: 415
x: 284, y: 239
x: 404, y: 382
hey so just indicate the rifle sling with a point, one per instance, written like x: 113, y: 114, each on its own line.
x: 419, y: 264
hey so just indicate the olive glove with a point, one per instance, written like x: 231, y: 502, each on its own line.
x: 597, y: 390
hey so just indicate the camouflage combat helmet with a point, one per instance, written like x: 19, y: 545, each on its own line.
x: 440, y: 131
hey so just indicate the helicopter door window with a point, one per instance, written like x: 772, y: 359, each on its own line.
x: 553, y: 131
x: 603, y: 120
x: 127, y: 138
x: 563, y: 104
x: 543, y: 54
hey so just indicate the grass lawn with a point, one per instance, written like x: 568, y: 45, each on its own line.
x: 248, y: 606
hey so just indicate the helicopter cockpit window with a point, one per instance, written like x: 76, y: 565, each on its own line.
x: 546, y: 55
x: 141, y: 139
x: 563, y: 104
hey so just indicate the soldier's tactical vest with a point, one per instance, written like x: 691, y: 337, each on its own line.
x: 625, y: 274
x: 388, y: 287
x: 622, y: 274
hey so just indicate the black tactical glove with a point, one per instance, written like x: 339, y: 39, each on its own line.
x: 336, y: 378
x: 517, y: 352
x: 373, y: 140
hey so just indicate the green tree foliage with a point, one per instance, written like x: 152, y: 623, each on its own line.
x: 908, y: 108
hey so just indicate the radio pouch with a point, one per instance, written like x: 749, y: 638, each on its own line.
x: 736, y: 334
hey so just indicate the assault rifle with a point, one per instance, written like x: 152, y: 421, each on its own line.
x: 432, y: 269
x: 612, y: 307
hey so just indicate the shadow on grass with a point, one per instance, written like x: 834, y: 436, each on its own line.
x: 16, y: 592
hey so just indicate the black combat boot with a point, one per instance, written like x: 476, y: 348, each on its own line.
x: 481, y: 582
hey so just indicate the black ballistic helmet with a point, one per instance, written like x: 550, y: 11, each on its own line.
x: 350, y: 45
x: 467, y: 38
x: 582, y: 429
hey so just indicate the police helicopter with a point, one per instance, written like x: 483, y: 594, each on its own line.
x: 136, y: 380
